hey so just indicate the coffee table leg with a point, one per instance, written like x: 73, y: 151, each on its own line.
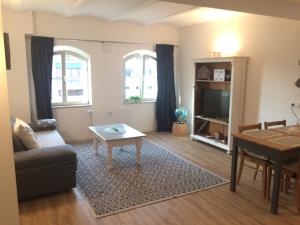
x: 109, y: 156
x: 138, y: 151
x: 95, y: 144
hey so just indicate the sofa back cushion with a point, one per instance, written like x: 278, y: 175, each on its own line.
x: 26, y: 135
x: 17, y: 144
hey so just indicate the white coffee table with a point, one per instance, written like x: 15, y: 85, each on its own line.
x: 113, y: 135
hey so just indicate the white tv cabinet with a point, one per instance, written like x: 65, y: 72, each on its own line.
x: 205, y: 128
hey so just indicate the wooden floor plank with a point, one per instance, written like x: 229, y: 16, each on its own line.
x: 210, y: 207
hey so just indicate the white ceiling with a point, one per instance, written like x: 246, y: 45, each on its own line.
x: 138, y: 11
x: 277, y: 8
x: 177, y: 13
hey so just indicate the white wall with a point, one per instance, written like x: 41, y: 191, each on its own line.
x: 17, y: 76
x: 107, y: 79
x: 107, y: 93
x: 271, y: 43
x: 107, y: 66
x: 273, y: 47
x: 8, y: 193
x: 92, y: 28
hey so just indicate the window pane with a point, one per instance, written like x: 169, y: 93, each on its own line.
x: 133, y: 75
x: 150, y: 79
x: 76, y: 79
x: 57, y: 95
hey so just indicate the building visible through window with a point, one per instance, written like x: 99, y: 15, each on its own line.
x: 140, y: 76
x: 70, y: 77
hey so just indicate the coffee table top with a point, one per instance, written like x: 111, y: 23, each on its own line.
x: 118, y: 131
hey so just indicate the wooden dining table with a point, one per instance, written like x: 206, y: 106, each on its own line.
x: 279, y: 145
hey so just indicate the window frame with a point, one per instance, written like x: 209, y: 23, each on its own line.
x: 65, y: 103
x: 143, y: 55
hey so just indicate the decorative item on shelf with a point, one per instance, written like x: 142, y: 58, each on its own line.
x: 203, y: 73
x: 228, y: 76
x: 219, y: 74
x: 181, y: 115
x: 214, y: 54
x: 218, y: 136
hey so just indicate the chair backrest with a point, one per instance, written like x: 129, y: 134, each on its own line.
x: 275, y: 123
x: 256, y: 126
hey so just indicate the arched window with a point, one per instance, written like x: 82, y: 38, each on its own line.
x: 140, y: 76
x: 70, y: 77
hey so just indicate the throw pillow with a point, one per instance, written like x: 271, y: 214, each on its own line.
x: 26, y: 135
x: 44, y: 125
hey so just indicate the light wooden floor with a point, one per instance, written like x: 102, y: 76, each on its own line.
x: 214, y: 206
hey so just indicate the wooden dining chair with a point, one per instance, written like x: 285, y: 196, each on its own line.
x: 253, y: 158
x: 288, y: 171
x: 274, y: 124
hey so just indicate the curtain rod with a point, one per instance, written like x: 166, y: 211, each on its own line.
x: 98, y: 41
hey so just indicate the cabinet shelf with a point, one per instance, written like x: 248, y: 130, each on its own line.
x: 213, y: 81
x: 213, y: 120
x: 210, y: 141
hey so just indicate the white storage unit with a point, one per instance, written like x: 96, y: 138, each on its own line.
x: 218, y: 107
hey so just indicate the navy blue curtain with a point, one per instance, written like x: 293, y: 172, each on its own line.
x: 41, y: 58
x: 166, y: 99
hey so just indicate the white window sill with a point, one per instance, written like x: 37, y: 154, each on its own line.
x: 140, y: 102
x: 70, y: 106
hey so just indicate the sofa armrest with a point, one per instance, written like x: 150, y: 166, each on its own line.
x: 44, y: 125
x: 42, y: 157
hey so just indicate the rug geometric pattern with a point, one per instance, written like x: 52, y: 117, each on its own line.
x: 162, y: 175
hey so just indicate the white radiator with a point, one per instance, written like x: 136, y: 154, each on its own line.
x: 98, y: 117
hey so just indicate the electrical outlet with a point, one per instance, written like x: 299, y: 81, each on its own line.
x: 295, y: 105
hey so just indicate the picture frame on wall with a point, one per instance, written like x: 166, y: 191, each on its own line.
x: 219, y: 74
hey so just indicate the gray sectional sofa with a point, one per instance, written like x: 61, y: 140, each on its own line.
x: 49, y: 169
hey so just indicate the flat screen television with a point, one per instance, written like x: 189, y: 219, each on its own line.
x: 215, y: 103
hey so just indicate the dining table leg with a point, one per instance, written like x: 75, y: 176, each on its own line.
x: 298, y: 187
x: 276, y: 187
x: 234, y: 153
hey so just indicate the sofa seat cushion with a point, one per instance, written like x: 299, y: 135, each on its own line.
x: 49, y: 138
x: 51, y: 156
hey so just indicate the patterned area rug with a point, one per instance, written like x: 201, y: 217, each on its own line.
x: 163, y: 175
